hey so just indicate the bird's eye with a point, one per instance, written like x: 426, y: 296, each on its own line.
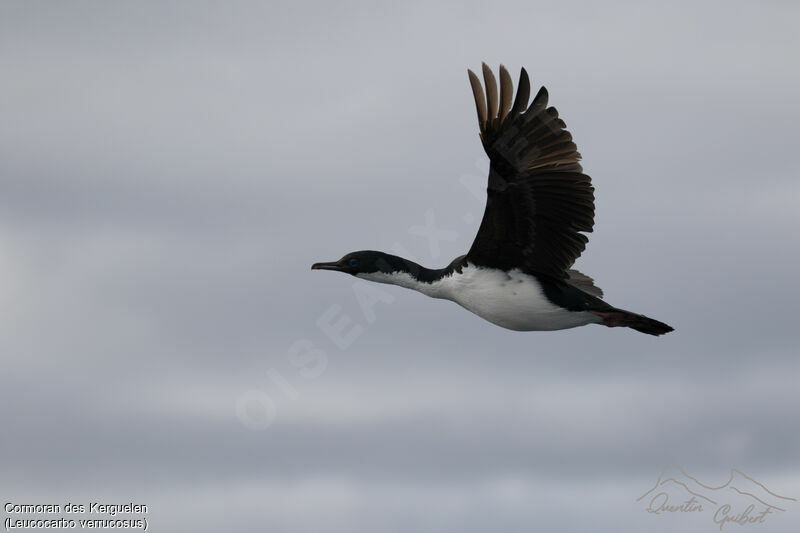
x: 353, y: 262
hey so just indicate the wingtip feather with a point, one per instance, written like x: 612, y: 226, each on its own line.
x: 491, y: 91
x: 506, y: 92
x: 480, y: 99
x: 523, y: 93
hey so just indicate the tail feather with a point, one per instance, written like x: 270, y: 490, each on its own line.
x: 620, y: 317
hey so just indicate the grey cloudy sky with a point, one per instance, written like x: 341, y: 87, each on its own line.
x: 169, y: 171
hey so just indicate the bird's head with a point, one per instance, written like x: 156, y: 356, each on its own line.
x: 364, y: 263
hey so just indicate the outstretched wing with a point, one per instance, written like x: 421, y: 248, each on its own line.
x: 538, y: 199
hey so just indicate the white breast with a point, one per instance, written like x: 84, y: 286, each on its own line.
x: 512, y: 300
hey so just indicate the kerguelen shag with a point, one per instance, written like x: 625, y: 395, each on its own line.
x: 517, y: 272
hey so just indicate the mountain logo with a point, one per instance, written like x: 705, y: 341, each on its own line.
x: 741, y: 500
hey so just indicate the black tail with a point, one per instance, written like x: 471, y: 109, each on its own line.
x: 620, y: 317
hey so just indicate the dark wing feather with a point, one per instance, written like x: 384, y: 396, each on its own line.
x: 539, y: 201
x: 584, y: 283
x: 491, y: 94
x: 506, y: 92
x: 480, y: 102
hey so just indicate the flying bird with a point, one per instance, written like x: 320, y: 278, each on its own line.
x: 517, y: 274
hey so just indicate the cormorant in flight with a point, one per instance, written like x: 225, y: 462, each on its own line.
x: 539, y: 202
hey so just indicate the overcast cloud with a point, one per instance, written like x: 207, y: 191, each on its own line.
x: 169, y: 172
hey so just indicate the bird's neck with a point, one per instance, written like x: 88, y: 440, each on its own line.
x: 406, y: 273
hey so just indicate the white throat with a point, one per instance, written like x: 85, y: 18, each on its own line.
x: 404, y: 279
